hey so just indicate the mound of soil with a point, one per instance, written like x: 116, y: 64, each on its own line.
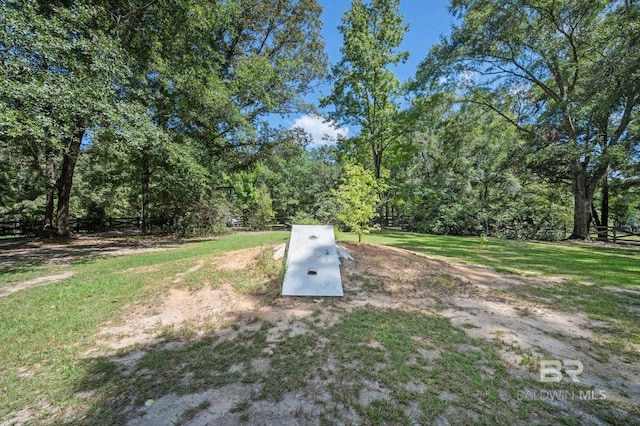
x: 478, y: 299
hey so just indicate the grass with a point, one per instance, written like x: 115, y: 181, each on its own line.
x: 381, y: 364
x: 44, y: 330
x: 595, y: 277
x: 619, y: 267
x: 614, y: 310
x: 18, y: 274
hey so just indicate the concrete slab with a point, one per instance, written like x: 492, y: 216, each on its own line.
x: 313, y: 268
x: 343, y: 253
x: 278, y: 252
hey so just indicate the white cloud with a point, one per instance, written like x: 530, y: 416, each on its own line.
x: 319, y: 128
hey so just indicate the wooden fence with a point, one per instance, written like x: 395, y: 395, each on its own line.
x: 20, y: 227
x: 616, y: 235
x: 33, y: 227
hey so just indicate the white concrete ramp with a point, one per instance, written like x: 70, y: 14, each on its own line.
x: 313, y: 268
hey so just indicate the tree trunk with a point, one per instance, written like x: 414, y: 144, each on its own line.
x: 65, y: 182
x: 377, y: 161
x: 145, y: 179
x: 386, y: 214
x: 583, y: 191
x: 604, y: 217
x: 146, y: 227
x: 50, y: 192
x: 596, y: 218
x: 581, y: 202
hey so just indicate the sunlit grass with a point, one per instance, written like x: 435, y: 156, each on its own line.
x: 45, y: 329
x: 601, y: 281
x: 619, y: 267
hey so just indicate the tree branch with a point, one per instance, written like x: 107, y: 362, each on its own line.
x: 120, y: 18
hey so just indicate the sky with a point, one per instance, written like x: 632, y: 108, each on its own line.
x: 427, y: 19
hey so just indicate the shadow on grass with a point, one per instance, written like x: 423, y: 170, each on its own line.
x: 368, y: 365
x: 172, y: 368
x: 606, y: 265
x: 373, y: 366
x: 38, y: 252
x: 34, y: 253
x: 180, y: 375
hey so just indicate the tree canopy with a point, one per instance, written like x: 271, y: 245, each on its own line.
x: 365, y: 91
x: 565, y: 73
x: 522, y: 123
x: 151, y: 78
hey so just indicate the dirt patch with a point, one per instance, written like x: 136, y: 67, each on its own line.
x: 482, y: 301
x: 190, y: 312
x: 42, y: 251
x: 49, y: 279
x: 476, y: 299
x: 237, y: 259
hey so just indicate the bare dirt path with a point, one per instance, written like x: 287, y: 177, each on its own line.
x: 43, y: 251
x: 21, y: 253
x: 479, y: 300
x: 48, y: 279
x: 486, y: 304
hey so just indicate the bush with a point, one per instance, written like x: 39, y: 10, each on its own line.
x: 261, y: 212
x: 204, y: 219
x: 304, y: 218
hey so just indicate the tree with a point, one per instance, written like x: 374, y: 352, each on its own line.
x: 183, y: 76
x: 59, y: 67
x: 300, y: 180
x: 358, y: 198
x: 563, y: 72
x: 365, y: 92
x: 261, y: 208
x: 470, y: 176
x: 211, y: 72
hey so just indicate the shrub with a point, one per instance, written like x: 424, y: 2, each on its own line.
x: 304, y: 218
x: 261, y: 212
x: 205, y: 218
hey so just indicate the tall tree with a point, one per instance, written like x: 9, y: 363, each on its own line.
x: 58, y: 68
x: 470, y: 177
x: 366, y: 92
x: 564, y: 72
x: 212, y: 71
x: 203, y: 73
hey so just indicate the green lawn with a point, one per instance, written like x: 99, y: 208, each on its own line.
x: 592, y: 274
x: 46, y: 331
x: 607, y: 265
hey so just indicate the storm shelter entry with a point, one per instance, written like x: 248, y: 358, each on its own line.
x: 313, y: 267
